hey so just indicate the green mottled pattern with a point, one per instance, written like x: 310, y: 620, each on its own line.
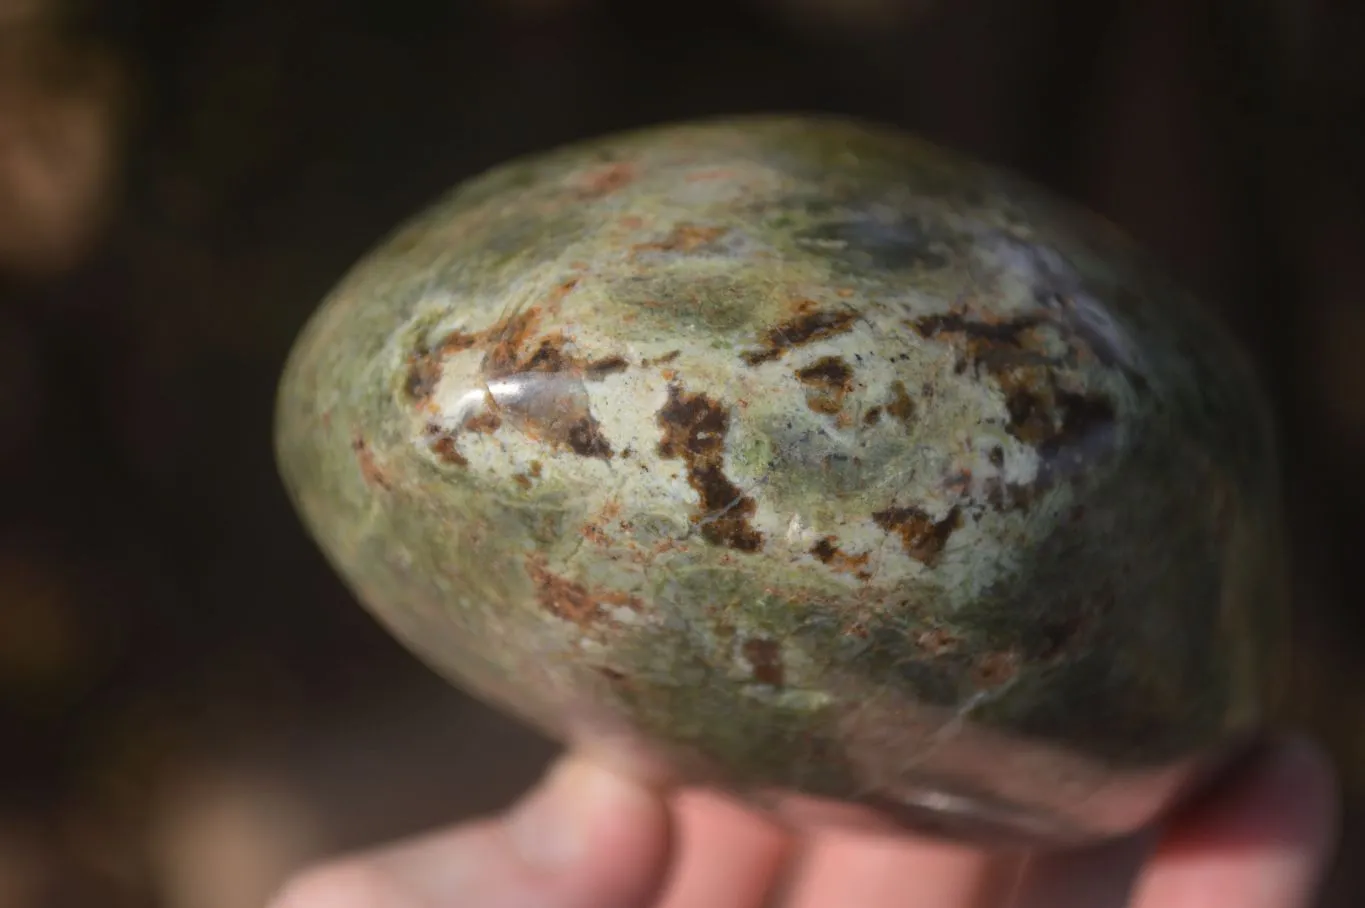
x: 805, y: 456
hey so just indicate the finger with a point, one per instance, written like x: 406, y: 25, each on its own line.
x: 585, y: 838
x: 726, y: 856
x: 875, y: 870
x: 1262, y: 840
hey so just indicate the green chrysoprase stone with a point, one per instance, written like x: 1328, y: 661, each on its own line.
x: 796, y: 456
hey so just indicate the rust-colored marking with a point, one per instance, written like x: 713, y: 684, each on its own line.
x: 827, y: 381
x: 585, y: 438
x: 938, y: 642
x: 485, y: 422
x: 922, y: 537
x: 369, y: 469
x: 509, y: 338
x: 694, y: 429
x: 554, y: 413
x: 570, y: 600
x: 828, y: 552
x: 661, y: 360
x: 901, y: 406
x: 599, y: 369
x: 959, y: 481
x: 810, y: 324
x: 457, y: 342
x: 1029, y: 405
x: 683, y: 238
x: 765, y: 657
x: 444, y: 448
x: 606, y: 179
x: 1014, y: 351
x: 424, y: 371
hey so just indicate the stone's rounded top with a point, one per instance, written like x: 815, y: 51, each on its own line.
x: 804, y: 455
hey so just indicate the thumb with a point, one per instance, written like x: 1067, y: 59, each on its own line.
x: 584, y: 838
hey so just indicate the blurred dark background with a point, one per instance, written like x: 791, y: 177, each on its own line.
x: 190, y: 704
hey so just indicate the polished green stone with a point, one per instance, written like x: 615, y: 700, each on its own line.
x: 796, y: 455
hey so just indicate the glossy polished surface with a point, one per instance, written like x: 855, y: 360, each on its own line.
x: 798, y: 456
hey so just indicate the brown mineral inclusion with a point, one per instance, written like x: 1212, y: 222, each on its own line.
x: 796, y: 456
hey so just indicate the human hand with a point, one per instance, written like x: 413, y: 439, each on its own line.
x: 586, y: 838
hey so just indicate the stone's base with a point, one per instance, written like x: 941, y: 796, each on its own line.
x: 937, y: 813
x: 981, y: 820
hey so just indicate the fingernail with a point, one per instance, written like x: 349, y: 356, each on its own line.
x: 552, y: 829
